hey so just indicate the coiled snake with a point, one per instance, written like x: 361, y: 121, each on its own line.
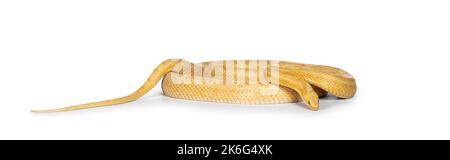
x: 242, y: 82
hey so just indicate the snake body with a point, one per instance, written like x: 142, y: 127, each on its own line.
x: 241, y: 82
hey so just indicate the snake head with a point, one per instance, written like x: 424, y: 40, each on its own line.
x: 311, y: 99
x: 312, y: 102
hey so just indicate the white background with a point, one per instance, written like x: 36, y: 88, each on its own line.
x: 60, y: 53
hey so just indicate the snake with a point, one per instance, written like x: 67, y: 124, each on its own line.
x: 240, y: 82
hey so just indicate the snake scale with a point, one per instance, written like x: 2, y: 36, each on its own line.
x: 241, y: 82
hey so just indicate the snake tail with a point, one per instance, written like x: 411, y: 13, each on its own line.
x: 161, y: 70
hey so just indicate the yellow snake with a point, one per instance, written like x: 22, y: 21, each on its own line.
x: 241, y: 82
